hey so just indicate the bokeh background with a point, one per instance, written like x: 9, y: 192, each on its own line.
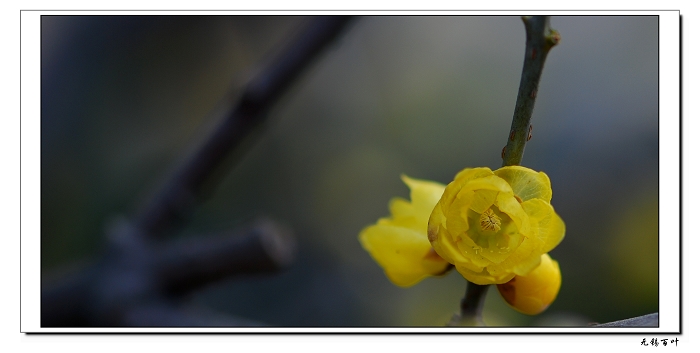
x: 124, y: 96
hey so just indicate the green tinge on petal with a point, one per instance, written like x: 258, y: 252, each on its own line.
x: 401, y: 252
x: 527, y: 183
x: 551, y: 227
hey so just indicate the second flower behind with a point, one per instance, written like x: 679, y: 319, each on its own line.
x: 398, y: 243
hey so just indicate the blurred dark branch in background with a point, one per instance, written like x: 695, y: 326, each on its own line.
x: 261, y: 93
x: 137, y: 280
x: 140, y: 277
x: 190, y: 263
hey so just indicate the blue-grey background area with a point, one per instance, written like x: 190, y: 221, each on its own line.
x: 123, y: 97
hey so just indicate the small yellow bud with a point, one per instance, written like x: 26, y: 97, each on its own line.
x: 533, y: 293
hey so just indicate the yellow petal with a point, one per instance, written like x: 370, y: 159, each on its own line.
x: 400, y: 207
x: 502, y: 248
x: 468, y: 174
x: 483, y: 277
x: 528, y: 264
x: 402, y: 253
x: 533, y: 293
x: 404, y: 215
x: 551, y: 227
x: 510, y: 206
x: 456, y: 185
x: 557, y: 230
x: 456, y: 217
x: 482, y: 200
x: 437, y: 219
x: 526, y: 183
x: 490, y: 182
x: 464, y: 252
x: 425, y: 195
x: 521, y: 261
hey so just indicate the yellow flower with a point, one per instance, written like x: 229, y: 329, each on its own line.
x: 399, y: 244
x: 494, y: 225
x: 533, y: 293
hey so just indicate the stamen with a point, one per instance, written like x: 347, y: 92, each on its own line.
x: 490, y: 221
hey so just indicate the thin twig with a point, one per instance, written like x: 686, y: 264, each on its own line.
x: 471, y: 306
x: 540, y: 39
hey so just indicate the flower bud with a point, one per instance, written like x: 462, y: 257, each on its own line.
x: 533, y: 293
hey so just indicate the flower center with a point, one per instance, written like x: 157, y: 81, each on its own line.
x: 490, y: 221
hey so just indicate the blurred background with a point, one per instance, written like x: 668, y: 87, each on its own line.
x: 124, y: 96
